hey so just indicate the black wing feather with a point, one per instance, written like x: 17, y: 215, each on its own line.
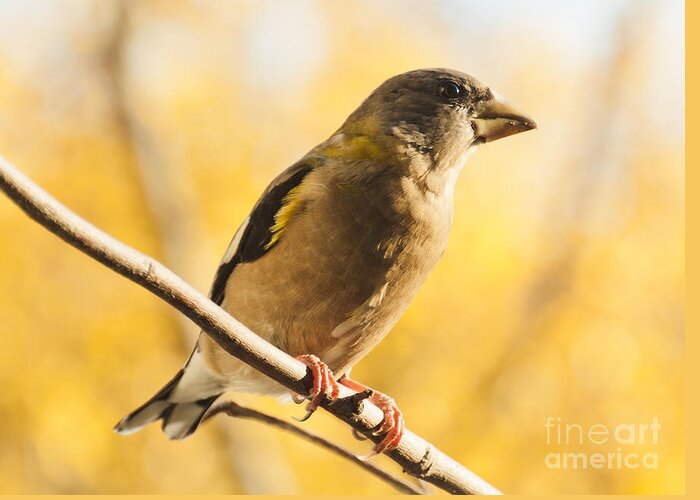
x: 258, y: 232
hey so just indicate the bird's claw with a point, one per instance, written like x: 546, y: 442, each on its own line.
x: 358, y: 435
x: 305, y: 417
x: 297, y: 398
x: 392, y: 425
x: 324, y: 385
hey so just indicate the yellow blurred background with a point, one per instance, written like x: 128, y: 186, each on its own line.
x: 561, y: 295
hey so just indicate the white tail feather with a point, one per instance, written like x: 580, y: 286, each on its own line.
x: 181, y: 403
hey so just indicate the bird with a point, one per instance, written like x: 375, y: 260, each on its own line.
x: 337, y: 246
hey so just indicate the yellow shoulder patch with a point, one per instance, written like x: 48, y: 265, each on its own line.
x: 359, y: 147
x: 290, y: 203
x: 357, y: 140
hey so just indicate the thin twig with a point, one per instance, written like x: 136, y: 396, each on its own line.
x: 233, y: 409
x: 415, y: 455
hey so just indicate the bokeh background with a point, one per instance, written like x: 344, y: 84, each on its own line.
x: 561, y: 293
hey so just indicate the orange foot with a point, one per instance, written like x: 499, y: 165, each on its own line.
x: 393, y: 424
x: 324, y: 384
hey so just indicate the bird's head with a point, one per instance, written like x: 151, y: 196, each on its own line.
x: 437, y: 115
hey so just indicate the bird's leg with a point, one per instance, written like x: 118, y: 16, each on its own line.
x: 393, y: 424
x: 324, y: 384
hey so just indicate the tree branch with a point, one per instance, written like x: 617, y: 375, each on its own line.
x: 415, y: 455
x: 233, y: 409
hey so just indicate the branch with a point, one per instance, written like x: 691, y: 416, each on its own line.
x: 233, y: 409
x: 415, y: 455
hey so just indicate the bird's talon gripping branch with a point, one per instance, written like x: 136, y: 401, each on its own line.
x: 324, y: 385
x: 297, y: 398
x: 393, y: 424
x: 305, y: 417
x: 358, y: 435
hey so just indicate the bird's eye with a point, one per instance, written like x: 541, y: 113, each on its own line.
x: 451, y: 90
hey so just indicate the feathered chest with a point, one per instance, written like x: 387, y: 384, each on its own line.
x: 380, y: 227
x: 381, y: 244
x: 343, y: 266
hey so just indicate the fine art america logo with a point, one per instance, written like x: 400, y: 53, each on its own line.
x: 598, y: 446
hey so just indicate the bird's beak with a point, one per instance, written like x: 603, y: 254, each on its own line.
x: 497, y: 117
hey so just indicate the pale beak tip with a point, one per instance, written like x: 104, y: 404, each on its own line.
x: 498, y: 118
x: 528, y: 124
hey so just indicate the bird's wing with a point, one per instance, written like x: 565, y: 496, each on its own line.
x: 262, y: 228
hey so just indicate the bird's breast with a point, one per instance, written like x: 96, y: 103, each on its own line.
x: 344, y: 271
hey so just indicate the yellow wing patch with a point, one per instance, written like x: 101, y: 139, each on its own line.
x: 359, y: 147
x: 358, y: 140
x: 290, y: 203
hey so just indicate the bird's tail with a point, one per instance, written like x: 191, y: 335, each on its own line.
x: 180, y: 415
